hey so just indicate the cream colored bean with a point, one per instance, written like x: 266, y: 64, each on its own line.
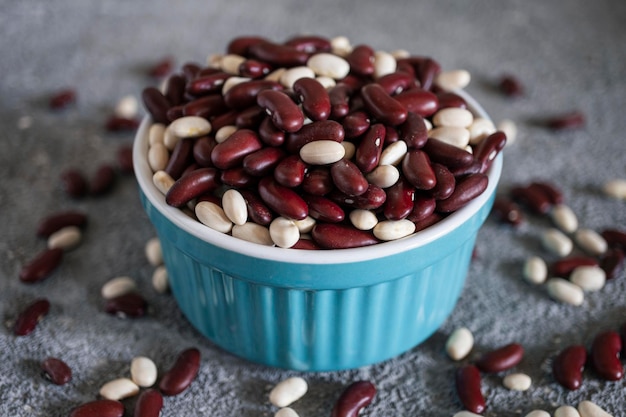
x: 566, y: 411
x: 564, y: 291
x: 326, y: 82
x: 230, y: 63
x: 349, y: 148
x: 454, y: 117
x: 127, y: 107
x: 564, y: 218
x: 170, y: 139
x: 384, y: 176
x: 393, y: 229
x: 66, y: 238
x: 429, y: 125
x: 453, y: 79
x: 224, y: 133
x: 322, y: 152
x: 340, y: 45
x: 233, y: 81
x: 156, y: 134
x: 118, y: 389
x: 393, y: 154
x: 459, y: 343
x: 162, y: 181
x: 160, y: 279
x: 517, y: 382
x: 384, y: 63
x: 509, y: 127
x: 288, y: 391
x: 589, y: 278
x: 284, y: 232
x: 286, y: 412
x: 538, y: 413
x: 400, y: 53
x: 535, y: 270
x: 253, y: 232
x: 158, y: 157
x: 305, y: 225
x: 556, y: 242
x: 214, y: 60
x: 275, y: 75
x: 457, y: 136
x: 143, y: 371
x: 153, y: 252
x: 234, y: 206
x: 466, y: 413
x: 591, y: 242
x: 213, y: 216
x: 480, y: 129
x: 590, y: 409
x: 190, y: 127
x: 615, y: 189
x: 290, y: 76
x: 363, y: 219
x: 329, y: 65
x: 117, y: 286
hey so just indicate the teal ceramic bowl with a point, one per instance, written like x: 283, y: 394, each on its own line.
x: 313, y: 310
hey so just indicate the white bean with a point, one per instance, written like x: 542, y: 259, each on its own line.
x: 590, y: 409
x: 156, y: 133
x: 589, y: 278
x: 322, y: 152
x: 564, y: 291
x: 480, y: 129
x: 119, y: 389
x: 564, y: 218
x: 538, y: 413
x: 253, y: 232
x: 393, y: 153
x: 190, y: 126
x: 117, y: 286
x: 213, y: 216
x: 127, y: 107
x: 384, y: 176
x: 160, y: 279
x: 284, y: 232
x: 591, y: 242
x: 214, y: 60
x: 517, y: 382
x: 453, y: 79
x: 66, y: 238
x: 615, y: 188
x: 143, y: 371
x: 305, y: 225
x: 509, y: 127
x: 170, y: 139
x: 384, y: 63
x: 400, y: 53
x: 288, y: 391
x: 457, y: 136
x: 290, y: 76
x: 153, y: 251
x: 454, y: 117
x: 566, y: 411
x: 158, y: 157
x: 556, y: 242
x: 224, y: 133
x: 233, y: 81
x: 326, y: 82
x: 162, y: 181
x: 466, y: 413
x: 230, y: 63
x: 459, y: 343
x: 275, y: 75
x: 349, y: 148
x: 363, y: 219
x: 535, y: 270
x: 234, y: 206
x: 340, y: 45
x: 286, y: 412
x: 329, y: 65
x: 393, y: 229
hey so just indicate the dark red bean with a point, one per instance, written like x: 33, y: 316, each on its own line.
x: 126, y: 305
x: 103, y: 180
x: 306, y: 244
x: 426, y: 72
x: 371, y: 199
x: 263, y: 161
x: 28, y: 318
x: 74, y: 183
x: 323, y: 209
x: 370, y: 147
x: 149, y: 404
x: 120, y: 124
x: 396, y: 82
x: 568, y: 366
x: 290, y: 171
x: 125, y: 159
x: 190, y: 70
x: 161, y: 68
x: 175, y: 112
x: 341, y: 236
x: 612, y: 263
x: 468, y: 388
x: 57, y: 221
x: 400, y: 200
x: 250, y: 118
x: 181, y: 157
x: 340, y: 100
x: 466, y: 190
x: 62, y: 99
x: 228, y: 118
x: 257, y: 209
x: 501, y: 359
x: 417, y: 170
x: 355, y: 124
x: 182, y: 373
x: 533, y: 198
x: 99, y: 408
x: 419, y: 101
x: 414, y: 131
x: 382, y: 106
x: 605, y: 356
x: 156, y: 104
x: 402, y: 65
x: 353, y: 399
x: 175, y: 89
x: 317, y: 181
x: 507, y: 211
x: 511, y: 86
x: 57, y: 371
x: 282, y: 200
x: 243, y: 95
x: 324, y: 129
x: 572, y: 120
x: 237, y: 177
x: 192, y: 185
x: 207, y: 106
x: 428, y: 221
x: 447, y: 99
x: 310, y: 44
x: 190, y: 168
x: 423, y: 207
x: 40, y: 267
x: 554, y: 194
x: 241, y: 45
x: 202, y: 148
x: 313, y: 97
x: 564, y: 267
x: 348, y: 178
x: 278, y: 55
x: 270, y: 134
x: 615, y: 238
x: 285, y: 114
x: 232, y: 151
x: 444, y: 184
x: 361, y: 60
x: 252, y: 68
x: 446, y: 154
x: 207, y: 84
x: 487, y: 150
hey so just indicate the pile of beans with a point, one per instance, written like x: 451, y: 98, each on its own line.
x: 271, y: 142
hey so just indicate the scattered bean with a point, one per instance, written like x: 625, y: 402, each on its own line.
x: 100, y: 408
x: 566, y: 411
x: 468, y: 388
x: 538, y: 413
x: 572, y: 120
x: 590, y: 409
x: 160, y: 279
x: 149, y: 404
x: 66, y: 238
x: 153, y: 252
x: 58, y: 221
x: 568, y: 366
x: 535, y: 270
x: 615, y: 188
x: 119, y: 389
x: 564, y: 291
x: 182, y: 373
x: 589, y: 278
x: 501, y: 359
x: 286, y: 412
x: 74, y: 183
x: 143, y: 371
x: 126, y: 305
x: 564, y: 267
x: 62, y: 99
x: 57, y: 371
x: 288, y: 391
x: 517, y: 382
x: 28, y: 318
x: 40, y: 267
x: 353, y: 399
x: 591, y: 242
x: 556, y: 242
x: 612, y: 263
x: 459, y: 343
x: 605, y: 356
x: 117, y: 286
x: 511, y: 86
x: 564, y: 218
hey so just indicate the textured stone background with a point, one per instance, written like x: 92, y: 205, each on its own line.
x: 569, y: 55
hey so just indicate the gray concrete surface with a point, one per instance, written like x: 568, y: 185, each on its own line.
x: 569, y: 55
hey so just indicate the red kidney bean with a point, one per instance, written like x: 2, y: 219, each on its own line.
x: 306, y: 244
x: 447, y: 154
x: 348, y: 178
x: 175, y: 89
x: 428, y: 221
x: 423, y: 207
x: 233, y: 150
x: 317, y: 181
x: 564, y: 267
x: 40, y: 267
x: 324, y: 129
x: 124, y: 156
x: 149, y: 404
x: 323, y: 209
x: 282, y: 200
x: 203, y: 72
x: 572, y: 120
x: 550, y: 190
x: 228, y: 118
x: 511, y: 86
x: 361, y: 60
x: 400, y: 200
x: 57, y: 221
x: 414, y: 131
x: 369, y: 149
x: 202, y: 148
x: 353, y: 399
x: 250, y: 118
x: 612, y: 263
x: 190, y: 70
x: 487, y: 150
x: 501, y: 359
x: 419, y: 101
x: 100, y: 408
x: 568, y: 366
x: 190, y: 168
x: 182, y: 373
x: 614, y: 238
x: 531, y: 197
x: 309, y: 44
x: 243, y: 95
x: 263, y: 161
x: 396, y: 82
x: 468, y: 388
x: 62, y: 99
x: 241, y: 45
x: 74, y: 183
x: 103, y: 180
x: 156, y: 104
x: 252, y: 68
x: 207, y: 84
x: 341, y: 236
x: 402, y: 65
x: 382, y: 106
x: 161, y: 68
x: 314, y: 98
x: 371, y: 199
x: 605, y: 355
x: 257, y: 209
x: 355, y: 124
x: 175, y: 112
x: 29, y: 317
x: 270, y: 134
x: 126, y: 305
x: 206, y: 106
x: 278, y: 55
x: 192, y: 185
x: 237, y: 177
x: 181, y: 157
x: 120, y: 124
x: 426, y: 72
x: 444, y: 184
x: 507, y: 211
x: 418, y: 171
x: 56, y: 371
x: 285, y: 114
x: 339, y: 96
x: 465, y: 191
x: 290, y: 171
x: 447, y: 99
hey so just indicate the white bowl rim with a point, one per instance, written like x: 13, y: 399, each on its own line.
x: 144, y: 173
